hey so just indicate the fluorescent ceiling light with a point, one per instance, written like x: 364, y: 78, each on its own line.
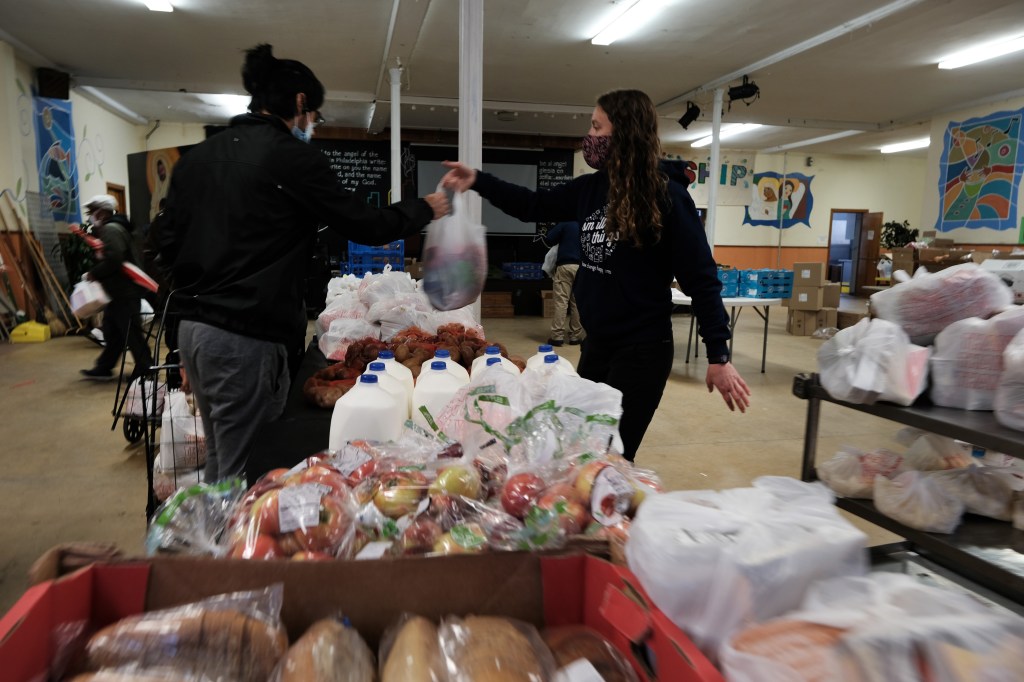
x: 629, y: 21
x: 159, y: 5
x: 981, y: 53
x: 231, y: 104
x: 904, y: 146
x: 726, y: 132
x: 814, y: 140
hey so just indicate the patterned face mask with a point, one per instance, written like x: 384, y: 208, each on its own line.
x: 596, y: 149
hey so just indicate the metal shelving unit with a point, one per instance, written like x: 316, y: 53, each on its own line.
x: 985, y: 551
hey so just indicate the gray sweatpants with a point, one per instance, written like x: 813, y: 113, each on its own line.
x: 239, y: 383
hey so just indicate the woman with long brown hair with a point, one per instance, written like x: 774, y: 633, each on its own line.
x: 638, y: 230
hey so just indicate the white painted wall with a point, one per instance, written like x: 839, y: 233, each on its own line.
x: 103, y: 141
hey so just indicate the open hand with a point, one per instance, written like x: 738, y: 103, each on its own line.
x: 460, y: 178
x: 730, y: 384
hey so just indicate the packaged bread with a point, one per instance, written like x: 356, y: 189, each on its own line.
x: 234, y: 636
x: 783, y: 649
x: 411, y: 652
x: 493, y: 649
x: 573, y: 642
x: 328, y: 651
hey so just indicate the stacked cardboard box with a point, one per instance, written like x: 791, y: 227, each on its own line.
x: 934, y: 258
x: 497, y: 304
x: 815, y: 301
x: 547, y: 297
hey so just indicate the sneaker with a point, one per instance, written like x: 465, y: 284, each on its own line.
x: 575, y: 342
x: 555, y: 342
x: 96, y: 375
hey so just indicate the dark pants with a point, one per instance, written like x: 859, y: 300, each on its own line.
x: 640, y: 371
x: 121, y: 326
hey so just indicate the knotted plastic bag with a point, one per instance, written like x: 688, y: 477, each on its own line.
x: 454, y: 259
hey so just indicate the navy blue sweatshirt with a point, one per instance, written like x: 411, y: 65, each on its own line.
x: 567, y: 236
x: 622, y: 291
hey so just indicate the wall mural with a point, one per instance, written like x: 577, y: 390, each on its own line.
x: 780, y: 200
x: 735, y: 174
x: 55, y: 154
x: 980, y: 172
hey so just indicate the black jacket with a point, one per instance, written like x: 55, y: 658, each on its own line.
x: 118, y: 247
x: 244, y: 208
x: 622, y: 291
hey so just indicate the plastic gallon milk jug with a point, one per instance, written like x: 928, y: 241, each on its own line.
x: 441, y: 355
x: 494, y: 365
x: 538, y: 359
x: 391, y: 385
x: 492, y: 353
x: 366, y: 412
x: 397, y: 370
x: 434, y: 388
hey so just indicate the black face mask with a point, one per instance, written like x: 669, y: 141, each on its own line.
x: 596, y: 149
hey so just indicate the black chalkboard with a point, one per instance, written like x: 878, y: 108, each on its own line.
x: 554, y: 168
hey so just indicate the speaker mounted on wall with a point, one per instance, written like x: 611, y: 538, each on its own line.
x: 52, y: 83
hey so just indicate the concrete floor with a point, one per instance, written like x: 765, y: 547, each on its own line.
x: 66, y: 476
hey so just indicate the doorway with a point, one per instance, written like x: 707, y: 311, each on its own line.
x: 853, y: 250
x: 117, y: 191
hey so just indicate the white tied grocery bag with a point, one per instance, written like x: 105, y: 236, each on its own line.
x: 182, y: 439
x: 88, y: 298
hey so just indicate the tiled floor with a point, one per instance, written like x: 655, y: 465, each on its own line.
x: 65, y: 476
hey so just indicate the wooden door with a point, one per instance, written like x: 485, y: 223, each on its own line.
x: 117, y: 191
x: 867, y: 249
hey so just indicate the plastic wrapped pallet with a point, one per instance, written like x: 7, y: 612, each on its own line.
x: 1009, y: 400
x: 967, y: 360
x: 929, y: 303
x: 873, y: 360
x: 715, y: 560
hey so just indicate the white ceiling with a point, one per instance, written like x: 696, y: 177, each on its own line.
x: 823, y: 66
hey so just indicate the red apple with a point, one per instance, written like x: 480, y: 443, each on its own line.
x: 563, y: 500
x: 519, y: 492
x: 420, y: 536
x: 274, y: 474
x: 334, y: 523
x: 259, y: 547
x: 324, y: 475
x: 457, y: 480
x: 362, y: 472
x: 266, y: 513
x: 311, y: 556
x: 399, y: 492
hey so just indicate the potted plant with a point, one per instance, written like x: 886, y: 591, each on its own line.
x: 896, y: 235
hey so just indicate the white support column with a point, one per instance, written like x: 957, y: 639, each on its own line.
x: 714, y: 168
x: 11, y: 165
x: 396, y: 134
x: 471, y: 98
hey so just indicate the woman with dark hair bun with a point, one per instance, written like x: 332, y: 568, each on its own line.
x: 638, y: 230
x: 243, y: 213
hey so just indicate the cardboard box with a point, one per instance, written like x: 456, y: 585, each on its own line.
x: 498, y: 310
x: 800, y: 322
x: 414, y: 267
x: 1009, y: 271
x: 904, y: 258
x: 808, y: 274
x: 830, y: 295
x: 846, y: 318
x: 542, y: 590
x: 489, y: 298
x: 940, y: 259
x: 806, y: 298
x: 826, y: 317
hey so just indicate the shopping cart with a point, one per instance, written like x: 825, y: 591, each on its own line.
x: 131, y: 403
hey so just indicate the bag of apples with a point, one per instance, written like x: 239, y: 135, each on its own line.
x: 304, y: 513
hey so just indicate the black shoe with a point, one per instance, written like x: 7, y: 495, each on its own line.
x: 96, y: 375
x: 575, y: 342
x: 555, y: 342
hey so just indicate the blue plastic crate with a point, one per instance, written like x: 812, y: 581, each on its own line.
x: 390, y: 249
x: 359, y: 270
x: 730, y: 289
x: 729, y: 276
x: 523, y: 270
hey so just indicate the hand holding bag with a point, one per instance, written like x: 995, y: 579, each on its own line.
x: 88, y: 298
x: 454, y: 259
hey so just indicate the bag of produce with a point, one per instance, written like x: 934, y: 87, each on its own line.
x: 927, y: 304
x: 932, y: 452
x: 851, y: 473
x: 967, y: 360
x: 715, y: 560
x: 182, y: 438
x: 343, y: 331
x: 494, y: 649
x: 983, y: 490
x: 915, y: 500
x: 193, y: 519
x: 871, y: 361
x: 140, y: 401
x: 1009, y: 400
x: 410, y: 651
x: 345, y: 305
x: 235, y: 636
x: 454, y: 258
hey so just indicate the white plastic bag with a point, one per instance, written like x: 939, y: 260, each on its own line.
x: 931, y: 452
x: 454, y: 259
x: 851, y: 473
x: 139, y: 402
x: 345, y: 305
x: 927, y: 304
x: 715, y: 560
x: 342, y: 332
x: 915, y: 500
x: 987, y: 491
x: 873, y: 360
x: 182, y: 439
x: 1009, y: 400
x: 967, y: 361
x: 550, y: 259
x: 88, y: 298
